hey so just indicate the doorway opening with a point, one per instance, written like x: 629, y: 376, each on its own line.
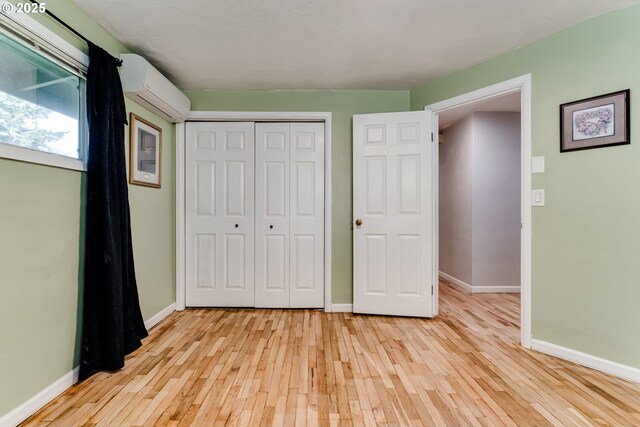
x: 483, y: 160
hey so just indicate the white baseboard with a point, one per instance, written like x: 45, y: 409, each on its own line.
x: 342, y: 308
x: 154, y: 320
x: 31, y: 406
x: 495, y: 289
x: 479, y: 289
x: 456, y: 282
x: 607, y: 366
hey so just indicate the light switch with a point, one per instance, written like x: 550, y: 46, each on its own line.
x: 537, y: 198
x: 537, y: 164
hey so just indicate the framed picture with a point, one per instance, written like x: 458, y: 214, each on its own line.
x: 145, y: 152
x: 601, y: 121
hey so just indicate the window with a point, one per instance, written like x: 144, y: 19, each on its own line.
x: 41, y: 108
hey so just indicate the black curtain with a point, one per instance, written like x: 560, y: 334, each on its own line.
x: 112, y: 322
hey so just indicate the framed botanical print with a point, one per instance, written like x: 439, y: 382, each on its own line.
x: 601, y: 121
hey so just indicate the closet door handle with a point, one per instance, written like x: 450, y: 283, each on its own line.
x: 271, y: 226
x: 236, y: 225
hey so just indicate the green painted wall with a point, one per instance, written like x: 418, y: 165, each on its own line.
x: 40, y: 233
x: 343, y: 105
x: 586, y: 240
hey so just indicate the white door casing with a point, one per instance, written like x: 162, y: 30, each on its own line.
x: 393, y: 196
x: 523, y: 85
x: 219, y: 212
x: 181, y: 172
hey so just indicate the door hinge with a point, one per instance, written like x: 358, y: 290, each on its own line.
x: 431, y: 289
x: 431, y: 136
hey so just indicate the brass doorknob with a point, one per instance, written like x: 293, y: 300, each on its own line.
x: 358, y: 222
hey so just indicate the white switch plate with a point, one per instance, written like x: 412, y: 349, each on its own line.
x: 537, y: 198
x: 537, y: 164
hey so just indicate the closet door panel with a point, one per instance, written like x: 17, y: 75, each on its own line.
x: 307, y: 215
x: 220, y: 215
x: 272, y: 215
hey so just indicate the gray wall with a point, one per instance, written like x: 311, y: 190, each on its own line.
x: 496, y: 199
x: 480, y: 200
x: 456, y: 159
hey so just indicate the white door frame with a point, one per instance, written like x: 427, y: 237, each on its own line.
x: 522, y: 84
x: 231, y: 116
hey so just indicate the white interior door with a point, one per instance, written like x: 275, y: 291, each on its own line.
x: 220, y: 214
x: 393, y: 202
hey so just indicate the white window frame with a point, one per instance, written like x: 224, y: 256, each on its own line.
x: 62, y: 52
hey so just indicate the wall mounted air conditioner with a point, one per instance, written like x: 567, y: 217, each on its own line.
x: 149, y: 88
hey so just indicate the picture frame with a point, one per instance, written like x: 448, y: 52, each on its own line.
x: 145, y: 152
x: 596, y: 122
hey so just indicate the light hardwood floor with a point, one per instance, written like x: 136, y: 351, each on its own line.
x: 290, y: 367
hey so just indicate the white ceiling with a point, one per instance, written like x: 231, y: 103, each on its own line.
x: 329, y: 44
x: 509, y: 102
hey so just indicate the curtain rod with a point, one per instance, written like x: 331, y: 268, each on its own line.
x: 70, y: 28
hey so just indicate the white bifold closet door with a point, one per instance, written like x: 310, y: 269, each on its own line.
x: 255, y: 214
x: 289, y: 270
x: 220, y: 215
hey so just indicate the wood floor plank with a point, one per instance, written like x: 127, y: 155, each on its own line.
x: 210, y: 367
